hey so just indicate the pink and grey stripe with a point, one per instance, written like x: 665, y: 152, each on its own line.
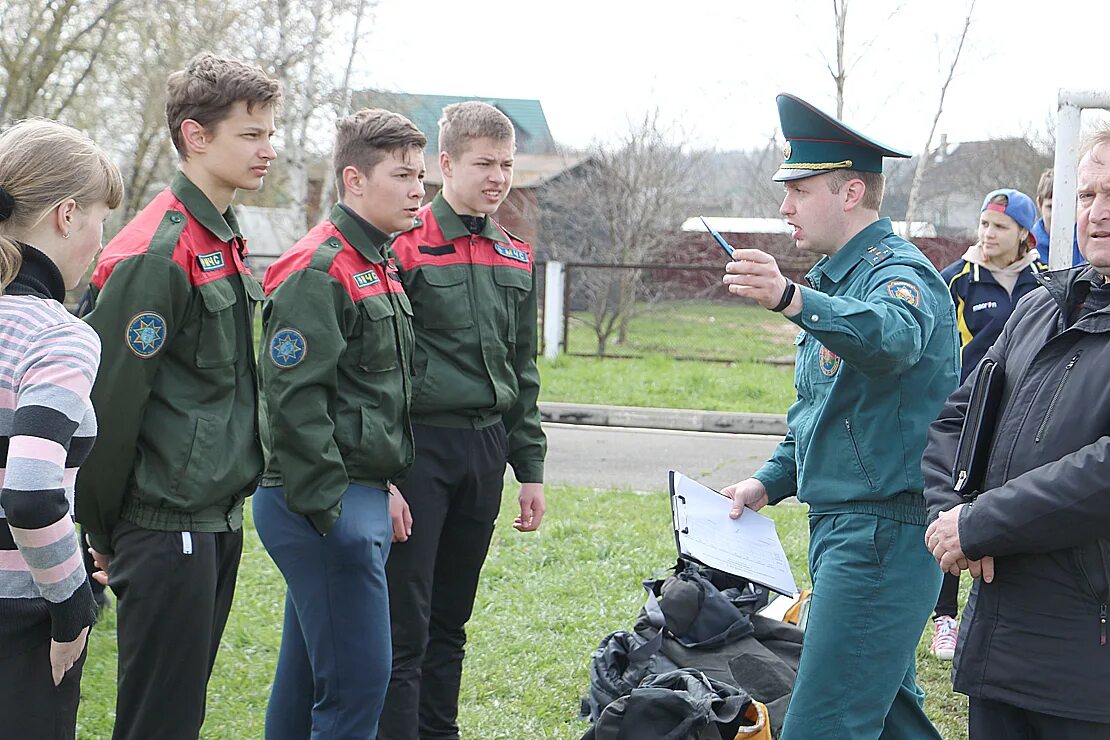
x: 48, y: 361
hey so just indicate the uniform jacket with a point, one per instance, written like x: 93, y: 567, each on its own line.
x: 474, y: 314
x: 877, y: 355
x: 1036, y: 636
x: 335, y: 368
x: 982, y: 306
x: 173, y: 303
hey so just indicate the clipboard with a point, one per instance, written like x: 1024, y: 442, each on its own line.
x: 748, y: 547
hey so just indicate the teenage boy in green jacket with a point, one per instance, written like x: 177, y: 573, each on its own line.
x: 335, y: 384
x: 475, y: 386
x: 161, y: 496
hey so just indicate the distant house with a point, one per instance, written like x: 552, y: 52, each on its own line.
x: 269, y: 231
x: 960, y: 175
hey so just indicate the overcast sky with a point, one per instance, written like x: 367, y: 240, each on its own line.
x: 713, y: 67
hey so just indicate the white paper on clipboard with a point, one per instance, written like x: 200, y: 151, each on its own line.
x: 748, y: 547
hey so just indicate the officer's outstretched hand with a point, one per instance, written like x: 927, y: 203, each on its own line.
x: 750, y: 493
x: 754, y: 274
x: 400, y: 515
x: 532, y: 507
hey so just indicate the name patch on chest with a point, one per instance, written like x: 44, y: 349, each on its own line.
x: 984, y: 305
x: 511, y: 252
x: 366, y: 279
x: 211, y: 262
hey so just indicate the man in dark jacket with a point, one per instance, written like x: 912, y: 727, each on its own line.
x: 1033, y: 656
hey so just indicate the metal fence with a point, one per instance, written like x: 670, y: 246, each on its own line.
x: 678, y: 311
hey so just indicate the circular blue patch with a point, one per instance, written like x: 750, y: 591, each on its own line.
x: 146, y: 333
x: 288, y: 348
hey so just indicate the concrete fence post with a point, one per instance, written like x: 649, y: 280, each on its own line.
x: 553, y: 339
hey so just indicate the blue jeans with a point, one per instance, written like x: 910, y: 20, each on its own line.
x: 335, y: 659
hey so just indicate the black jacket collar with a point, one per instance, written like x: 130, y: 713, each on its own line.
x: 38, y: 276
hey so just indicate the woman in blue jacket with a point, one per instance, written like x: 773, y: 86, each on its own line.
x: 986, y: 284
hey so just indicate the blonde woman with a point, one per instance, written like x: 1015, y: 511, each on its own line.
x: 56, y: 189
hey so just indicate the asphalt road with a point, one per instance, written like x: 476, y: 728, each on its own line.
x: 638, y: 459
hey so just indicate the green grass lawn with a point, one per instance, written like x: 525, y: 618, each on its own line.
x: 745, y: 336
x: 545, y: 601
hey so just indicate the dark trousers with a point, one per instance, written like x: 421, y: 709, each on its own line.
x: 454, y: 491
x: 31, y: 706
x: 334, y: 663
x: 995, y: 720
x: 948, y: 601
x: 173, y: 594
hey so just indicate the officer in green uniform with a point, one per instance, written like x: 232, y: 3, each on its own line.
x: 877, y: 354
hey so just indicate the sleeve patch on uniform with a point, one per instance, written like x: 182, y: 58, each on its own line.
x: 830, y: 362
x: 288, y: 348
x: 366, y: 279
x: 211, y: 262
x: 904, y: 290
x: 146, y: 333
x: 511, y: 252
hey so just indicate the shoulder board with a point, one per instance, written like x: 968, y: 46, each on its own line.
x: 877, y: 253
x: 325, y: 254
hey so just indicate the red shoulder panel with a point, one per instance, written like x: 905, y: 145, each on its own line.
x: 198, y: 252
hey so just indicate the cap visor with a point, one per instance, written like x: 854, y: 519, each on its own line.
x: 786, y: 173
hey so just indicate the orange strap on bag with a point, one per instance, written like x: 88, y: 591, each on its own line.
x: 760, y: 727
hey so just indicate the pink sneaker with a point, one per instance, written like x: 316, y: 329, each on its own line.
x: 944, y: 638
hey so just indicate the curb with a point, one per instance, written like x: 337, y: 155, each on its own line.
x: 729, y: 422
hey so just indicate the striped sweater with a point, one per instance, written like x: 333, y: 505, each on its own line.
x: 48, y: 361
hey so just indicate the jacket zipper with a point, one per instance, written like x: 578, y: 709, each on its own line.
x: 859, y: 458
x: 1102, y: 608
x: 1056, y: 397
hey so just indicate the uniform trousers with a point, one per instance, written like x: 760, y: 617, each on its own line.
x: 334, y: 662
x: 995, y: 720
x: 31, y: 706
x: 874, y: 585
x: 454, y: 491
x: 173, y: 595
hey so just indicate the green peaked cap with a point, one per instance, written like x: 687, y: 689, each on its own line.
x: 817, y: 143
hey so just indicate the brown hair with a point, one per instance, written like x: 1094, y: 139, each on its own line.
x: 873, y: 182
x: 42, y: 164
x: 1029, y: 241
x: 365, y: 137
x: 209, y: 87
x: 1044, y: 187
x: 462, y: 122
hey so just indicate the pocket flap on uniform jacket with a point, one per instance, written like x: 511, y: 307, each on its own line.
x: 254, y: 288
x: 403, y: 302
x: 442, y: 276
x: 377, y: 307
x: 512, y: 277
x: 217, y: 295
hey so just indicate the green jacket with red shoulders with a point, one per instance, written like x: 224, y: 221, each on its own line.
x: 474, y: 314
x: 176, y: 398
x: 335, y: 368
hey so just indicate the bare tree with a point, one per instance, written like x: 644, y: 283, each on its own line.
x: 48, y: 50
x: 840, y: 70
x: 343, y: 106
x: 624, y: 208
x: 928, y: 154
